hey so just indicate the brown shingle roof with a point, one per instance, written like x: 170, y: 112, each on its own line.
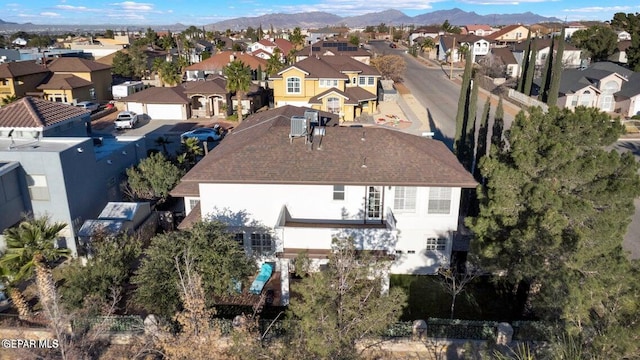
x: 64, y: 82
x: 74, y: 64
x: 318, y: 98
x: 159, y: 95
x: 30, y: 112
x: 20, y: 68
x: 316, y: 67
x: 502, y: 32
x: 259, y: 151
x: 505, y: 55
x: 543, y: 43
x: 217, y: 85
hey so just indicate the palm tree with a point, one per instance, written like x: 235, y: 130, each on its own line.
x: 238, y: 80
x: 9, y: 99
x: 32, y: 238
x: 297, y: 39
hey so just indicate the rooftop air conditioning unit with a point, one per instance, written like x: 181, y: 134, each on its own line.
x: 298, y: 126
x: 313, y: 116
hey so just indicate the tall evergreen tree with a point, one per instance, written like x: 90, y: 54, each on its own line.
x: 525, y: 64
x: 553, y: 215
x: 554, y: 88
x: 482, y: 144
x: 463, y: 102
x: 498, y: 128
x: 466, y: 156
x: 531, y: 69
x: 546, y: 74
x: 633, y: 52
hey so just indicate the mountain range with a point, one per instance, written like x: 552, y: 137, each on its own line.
x: 308, y: 20
x: 320, y: 19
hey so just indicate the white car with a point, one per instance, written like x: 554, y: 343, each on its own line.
x: 204, y: 134
x: 126, y: 120
x: 88, y: 105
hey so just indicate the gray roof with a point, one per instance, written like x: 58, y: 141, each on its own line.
x: 573, y: 80
x: 630, y: 88
x: 611, y: 67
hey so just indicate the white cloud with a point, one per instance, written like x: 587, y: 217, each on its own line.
x: 49, y: 14
x: 70, y: 7
x: 597, y: 9
x: 502, y: 2
x: 357, y: 7
x: 130, y: 5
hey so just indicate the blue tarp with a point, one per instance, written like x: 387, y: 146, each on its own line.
x: 265, y: 274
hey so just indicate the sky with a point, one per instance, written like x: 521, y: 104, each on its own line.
x: 202, y: 12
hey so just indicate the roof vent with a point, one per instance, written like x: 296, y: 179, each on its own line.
x: 314, y: 117
x: 298, y: 127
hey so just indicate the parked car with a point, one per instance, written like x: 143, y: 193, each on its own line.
x: 392, y: 45
x: 88, y: 105
x: 126, y: 120
x: 204, y: 134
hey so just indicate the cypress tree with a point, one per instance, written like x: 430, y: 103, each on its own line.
x: 546, y: 74
x: 498, y: 127
x: 481, y: 147
x: 531, y: 69
x: 470, y: 127
x: 525, y: 64
x: 463, y: 102
x: 554, y: 88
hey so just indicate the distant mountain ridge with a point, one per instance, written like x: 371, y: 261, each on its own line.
x: 307, y: 20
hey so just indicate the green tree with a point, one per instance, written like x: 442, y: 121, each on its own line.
x: 382, y: 28
x: 554, y: 87
x: 167, y: 42
x: 152, y: 179
x: 151, y: 37
x: 463, y: 107
x: 106, y: 272
x: 547, y: 73
x: 109, y: 34
x: 32, y: 238
x: 531, y: 69
x: 526, y: 62
x: 215, y: 255
x: 190, y: 151
x: 466, y: 155
x: 8, y: 99
x: 139, y: 64
x: 297, y: 39
x: 250, y: 33
x: 633, y: 52
x: 599, y: 41
x: 238, y: 81
x: 354, y: 40
x: 553, y: 215
x: 122, y: 64
x: 497, y: 130
x: 327, y: 317
x: 483, y: 133
x: 170, y: 73
x: 274, y: 64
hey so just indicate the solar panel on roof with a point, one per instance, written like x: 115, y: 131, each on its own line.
x: 315, y: 48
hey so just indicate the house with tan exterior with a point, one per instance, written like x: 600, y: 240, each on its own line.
x: 334, y: 47
x: 423, y: 32
x: 337, y: 84
x: 283, y: 191
x: 590, y: 87
x: 509, y: 34
x: 477, y: 29
x: 21, y: 77
x: 80, y: 78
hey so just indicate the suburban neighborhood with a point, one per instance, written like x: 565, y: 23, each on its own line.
x: 387, y: 191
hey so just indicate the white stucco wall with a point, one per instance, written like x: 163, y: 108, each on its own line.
x: 263, y: 203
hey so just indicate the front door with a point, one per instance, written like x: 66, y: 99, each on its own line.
x: 373, y: 205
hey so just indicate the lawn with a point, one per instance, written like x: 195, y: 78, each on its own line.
x: 481, y: 299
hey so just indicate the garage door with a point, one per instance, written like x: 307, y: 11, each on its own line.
x: 135, y: 107
x: 165, y: 112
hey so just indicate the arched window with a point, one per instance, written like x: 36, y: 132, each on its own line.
x: 333, y: 105
x: 610, y: 87
x: 585, y: 98
x: 293, y: 85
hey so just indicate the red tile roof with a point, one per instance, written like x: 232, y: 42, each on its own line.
x: 20, y: 68
x: 223, y: 58
x: 30, y: 112
x: 259, y: 151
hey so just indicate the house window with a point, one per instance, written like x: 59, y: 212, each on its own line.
x: 338, y: 192
x: 4, y: 82
x: 193, y: 203
x: 574, y: 101
x: 405, y: 198
x: 38, y: 189
x: 439, y: 244
x: 92, y: 93
x: 411, y: 252
x: 362, y: 80
x: 439, y: 200
x: 585, y: 99
x: 261, y: 244
x: 374, y: 202
x: 239, y: 238
x: 293, y: 85
x: 326, y: 83
x: 371, y: 81
x: 333, y: 105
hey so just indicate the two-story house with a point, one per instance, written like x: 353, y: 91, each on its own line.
x: 21, y: 77
x: 49, y: 166
x: 286, y: 184
x: 423, y: 32
x: 477, y: 29
x: 450, y: 47
x: 509, y: 35
x: 216, y: 63
x: 92, y: 78
x: 589, y: 87
x: 336, y: 84
x: 334, y: 47
x: 571, y: 56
